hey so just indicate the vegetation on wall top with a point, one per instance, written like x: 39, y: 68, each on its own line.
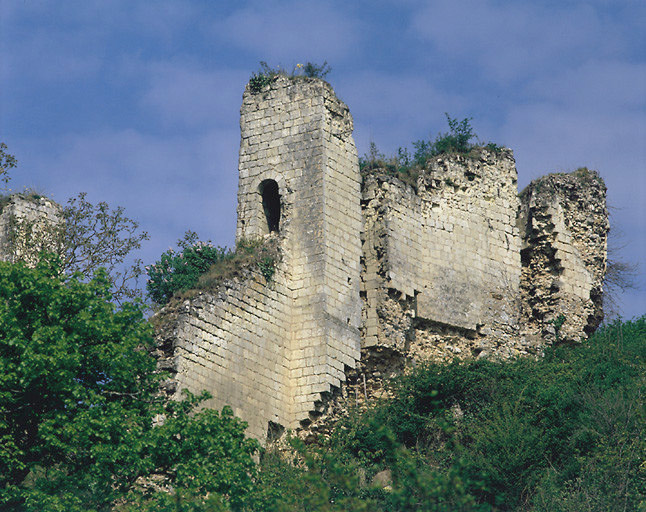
x: 266, y: 74
x: 407, y: 165
x: 201, y: 265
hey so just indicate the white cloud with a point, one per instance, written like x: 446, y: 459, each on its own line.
x: 284, y: 32
x: 508, y: 41
x: 192, y: 96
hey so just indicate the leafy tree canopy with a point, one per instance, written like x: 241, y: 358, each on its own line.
x: 80, y: 411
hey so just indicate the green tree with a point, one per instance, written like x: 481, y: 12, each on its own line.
x: 7, y: 162
x: 86, y: 237
x: 180, y: 270
x: 82, y: 423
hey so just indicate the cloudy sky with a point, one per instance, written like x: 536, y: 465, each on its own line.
x: 137, y: 102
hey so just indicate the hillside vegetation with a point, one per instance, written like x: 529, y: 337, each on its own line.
x: 565, y: 433
x: 84, y: 428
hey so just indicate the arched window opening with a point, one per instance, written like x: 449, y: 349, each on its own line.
x: 271, y: 204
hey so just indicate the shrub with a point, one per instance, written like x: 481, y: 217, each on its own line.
x: 545, y: 434
x: 456, y: 140
x: 263, y: 77
x: 407, y: 167
x: 312, y: 70
x: 178, y: 271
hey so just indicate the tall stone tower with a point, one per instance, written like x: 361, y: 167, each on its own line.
x: 299, y: 179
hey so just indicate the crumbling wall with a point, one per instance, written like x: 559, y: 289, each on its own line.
x: 23, y: 223
x: 564, y: 225
x: 442, y: 263
x: 376, y: 276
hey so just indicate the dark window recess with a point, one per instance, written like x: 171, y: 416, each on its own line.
x: 271, y: 204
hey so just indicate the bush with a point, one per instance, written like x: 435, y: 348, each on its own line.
x: 525, y: 434
x: 179, y: 271
x: 202, y: 266
x: 407, y: 167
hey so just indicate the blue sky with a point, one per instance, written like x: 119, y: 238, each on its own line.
x: 137, y: 102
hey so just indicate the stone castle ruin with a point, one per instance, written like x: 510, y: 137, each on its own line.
x: 375, y: 274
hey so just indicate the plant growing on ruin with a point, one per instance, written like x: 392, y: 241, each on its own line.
x: 180, y: 270
x: 312, y: 70
x: 267, y: 267
x: 558, y: 324
x: 266, y: 74
x: 406, y: 165
x: 263, y: 77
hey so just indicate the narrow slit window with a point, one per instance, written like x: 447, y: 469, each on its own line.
x: 271, y: 204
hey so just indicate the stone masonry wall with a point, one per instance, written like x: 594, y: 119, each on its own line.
x: 442, y: 263
x: 378, y: 275
x: 232, y: 343
x: 21, y: 223
x: 564, y: 224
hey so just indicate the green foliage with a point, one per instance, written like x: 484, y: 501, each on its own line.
x: 7, y: 162
x: 558, y: 323
x: 263, y: 77
x: 201, y: 266
x: 407, y: 166
x: 312, y: 70
x: 85, y: 237
x: 267, y: 267
x: 516, y: 435
x: 492, y: 146
x: 266, y: 74
x: 205, y: 455
x: 82, y: 424
x: 178, y: 271
x: 456, y: 140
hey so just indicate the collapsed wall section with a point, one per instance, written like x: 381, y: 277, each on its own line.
x: 564, y: 226
x: 442, y: 263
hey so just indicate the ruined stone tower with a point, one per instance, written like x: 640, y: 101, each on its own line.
x: 375, y: 272
x: 273, y: 349
x: 25, y: 227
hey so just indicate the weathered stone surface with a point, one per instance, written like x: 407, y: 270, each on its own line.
x: 22, y: 222
x: 443, y: 261
x: 377, y: 276
x: 564, y: 224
